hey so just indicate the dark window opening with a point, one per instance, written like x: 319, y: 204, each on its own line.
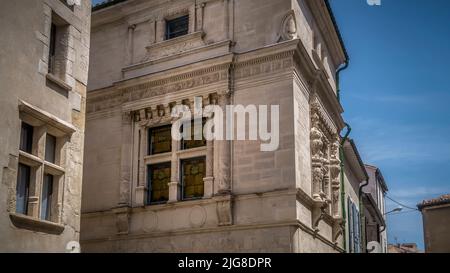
x: 160, y: 140
x: 158, y: 183
x: 26, y: 138
x: 50, y: 148
x: 47, y: 196
x: 52, y: 49
x: 192, y: 173
x: 177, y: 27
x: 22, y: 188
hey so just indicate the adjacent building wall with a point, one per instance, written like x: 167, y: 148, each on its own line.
x: 54, y: 104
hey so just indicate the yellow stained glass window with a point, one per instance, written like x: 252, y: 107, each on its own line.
x: 192, y: 143
x: 158, y: 179
x: 192, y: 174
x: 160, y: 140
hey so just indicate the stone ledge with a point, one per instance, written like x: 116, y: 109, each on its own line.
x: 33, y: 224
x: 58, y: 82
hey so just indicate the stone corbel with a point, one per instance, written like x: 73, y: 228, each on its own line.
x: 122, y: 220
x: 318, y: 213
x: 338, y: 228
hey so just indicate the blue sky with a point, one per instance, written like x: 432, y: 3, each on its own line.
x: 396, y: 94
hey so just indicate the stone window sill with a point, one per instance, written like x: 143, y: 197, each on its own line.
x: 33, y: 224
x: 58, y: 82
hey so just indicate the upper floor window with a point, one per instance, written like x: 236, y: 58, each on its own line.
x: 197, y: 138
x: 22, y: 188
x: 47, y: 197
x: 50, y: 148
x: 160, y: 140
x: 40, y: 172
x: 26, y: 138
x: 192, y: 173
x: 177, y: 27
x: 58, y: 49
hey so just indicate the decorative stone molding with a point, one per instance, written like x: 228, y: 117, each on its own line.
x: 122, y: 220
x: 34, y: 224
x: 224, y: 210
x: 197, y: 216
x: 288, y: 29
x: 325, y: 163
x: 264, y: 65
x: 174, y: 46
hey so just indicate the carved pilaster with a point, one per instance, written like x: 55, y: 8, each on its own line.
x: 174, y: 185
x: 224, y: 153
x: 126, y: 159
x: 130, y: 44
x: 209, y: 177
x: 335, y: 169
x: 324, y: 163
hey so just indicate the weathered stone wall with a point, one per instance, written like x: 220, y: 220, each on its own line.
x: 25, y: 28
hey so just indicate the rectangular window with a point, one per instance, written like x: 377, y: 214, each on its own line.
x: 160, y: 140
x: 192, y: 143
x: 52, y: 49
x: 177, y: 27
x: 22, y: 189
x: 50, y: 148
x: 192, y: 174
x: 47, y: 196
x: 158, y: 183
x: 26, y: 138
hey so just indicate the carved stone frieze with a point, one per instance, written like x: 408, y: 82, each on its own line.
x: 174, y: 46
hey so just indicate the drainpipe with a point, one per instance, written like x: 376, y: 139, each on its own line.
x: 362, y: 215
x: 341, y: 158
x: 342, y: 68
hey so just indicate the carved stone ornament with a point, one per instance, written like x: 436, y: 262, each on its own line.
x: 288, y: 27
x: 224, y: 211
x: 325, y: 165
x: 73, y: 2
x: 122, y: 220
x: 338, y: 228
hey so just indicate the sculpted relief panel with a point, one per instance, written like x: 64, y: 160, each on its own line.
x: 325, y: 168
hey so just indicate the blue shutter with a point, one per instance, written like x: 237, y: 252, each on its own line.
x: 357, y: 244
x: 350, y: 224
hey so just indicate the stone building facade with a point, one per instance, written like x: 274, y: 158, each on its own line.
x: 436, y: 224
x: 145, y: 192
x: 355, y: 176
x: 44, y: 63
x: 373, y: 197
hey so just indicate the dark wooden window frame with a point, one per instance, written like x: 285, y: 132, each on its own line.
x: 183, y: 23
